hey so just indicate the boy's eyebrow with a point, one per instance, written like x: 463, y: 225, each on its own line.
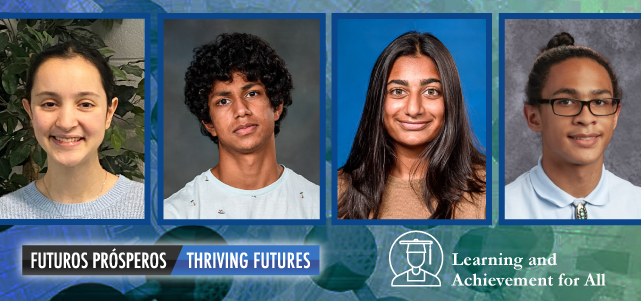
x: 228, y: 93
x: 565, y: 91
x: 575, y: 92
x: 600, y: 91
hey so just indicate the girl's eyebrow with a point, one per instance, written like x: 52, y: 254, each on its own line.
x: 54, y: 94
x: 404, y: 83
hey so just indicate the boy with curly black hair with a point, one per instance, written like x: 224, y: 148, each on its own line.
x: 239, y: 89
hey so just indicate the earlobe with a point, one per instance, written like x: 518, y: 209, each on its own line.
x: 533, y: 117
x: 210, y: 127
x: 27, y: 107
x: 278, y: 111
x: 110, y: 111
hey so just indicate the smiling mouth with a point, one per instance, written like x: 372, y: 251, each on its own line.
x: 414, y: 126
x: 61, y: 139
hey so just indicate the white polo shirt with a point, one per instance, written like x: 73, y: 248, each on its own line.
x: 534, y: 196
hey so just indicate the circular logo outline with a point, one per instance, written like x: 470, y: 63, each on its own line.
x: 416, y: 231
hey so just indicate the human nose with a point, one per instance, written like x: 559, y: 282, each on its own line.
x: 240, y: 108
x: 585, y: 117
x: 67, y: 118
x: 413, y: 106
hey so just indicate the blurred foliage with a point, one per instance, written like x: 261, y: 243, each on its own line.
x: 19, y: 41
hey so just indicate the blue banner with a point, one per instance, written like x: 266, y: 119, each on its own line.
x: 248, y: 260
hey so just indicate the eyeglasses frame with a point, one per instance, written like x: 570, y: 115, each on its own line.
x: 550, y: 101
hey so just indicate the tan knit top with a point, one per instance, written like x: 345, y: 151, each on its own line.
x: 402, y: 200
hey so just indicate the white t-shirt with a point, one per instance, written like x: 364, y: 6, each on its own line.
x: 206, y: 197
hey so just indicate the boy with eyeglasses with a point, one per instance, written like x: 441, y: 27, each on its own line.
x: 573, y: 100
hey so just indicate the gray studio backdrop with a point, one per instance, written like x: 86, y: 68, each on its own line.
x: 187, y: 153
x: 620, y: 42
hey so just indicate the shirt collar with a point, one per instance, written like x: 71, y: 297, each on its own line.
x: 546, y: 189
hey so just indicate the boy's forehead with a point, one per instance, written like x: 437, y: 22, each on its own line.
x: 235, y: 79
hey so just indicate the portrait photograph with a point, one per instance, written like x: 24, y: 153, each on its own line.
x: 242, y: 115
x: 72, y: 140
x: 571, y: 120
x: 411, y: 123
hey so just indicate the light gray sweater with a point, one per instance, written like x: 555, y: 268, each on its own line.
x: 125, y: 200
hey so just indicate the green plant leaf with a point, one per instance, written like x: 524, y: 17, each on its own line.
x: 108, y: 24
x: 39, y: 156
x: 82, y: 22
x: 17, y: 51
x: 108, y: 134
x: 48, y: 38
x: 4, y: 140
x: 124, y: 93
x: 118, y: 137
x: 64, y: 22
x: 4, y: 41
x: 140, y: 133
x: 9, y: 83
x: 19, y: 154
x: 36, y: 34
x: 12, y: 122
x: 116, y: 142
x: 132, y: 69
x: 110, y: 165
x: 124, y: 106
x: 138, y: 111
x: 141, y: 89
x: 88, y: 37
x: 139, y: 119
x: 16, y: 68
x: 14, y: 108
x: 118, y: 72
x: 31, y: 42
x: 5, y: 168
x: 106, y: 51
x: 19, y: 179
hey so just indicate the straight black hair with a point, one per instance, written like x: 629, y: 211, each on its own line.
x: 71, y: 49
x: 452, y: 159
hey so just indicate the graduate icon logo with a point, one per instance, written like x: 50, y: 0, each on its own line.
x: 416, y: 258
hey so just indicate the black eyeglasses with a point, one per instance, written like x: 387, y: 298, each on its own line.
x: 570, y: 107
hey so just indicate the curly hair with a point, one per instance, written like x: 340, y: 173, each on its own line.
x: 236, y: 52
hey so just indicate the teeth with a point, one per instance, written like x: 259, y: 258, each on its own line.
x: 67, y: 139
x: 586, y: 138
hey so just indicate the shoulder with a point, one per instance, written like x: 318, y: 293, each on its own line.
x: 473, y: 206
x: 519, y: 185
x: 300, y: 181
x: 623, y: 188
x: 14, y: 202
x: 131, y: 198
x: 174, y: 206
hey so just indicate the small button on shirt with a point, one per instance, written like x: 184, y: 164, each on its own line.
x: 534, y: 196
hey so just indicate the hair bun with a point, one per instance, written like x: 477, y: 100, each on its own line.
x: 560, y: 39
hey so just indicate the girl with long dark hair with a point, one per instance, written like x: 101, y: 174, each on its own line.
x: 414, y: 155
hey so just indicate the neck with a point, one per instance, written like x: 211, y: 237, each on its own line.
x: 405, y: 160
x: 577, y: 180
x: 77, y: 184
x: 250, y: 171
